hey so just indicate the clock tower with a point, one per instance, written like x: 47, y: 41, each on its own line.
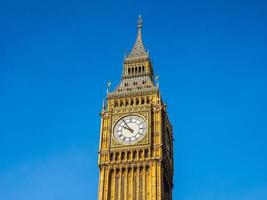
x: 136, y: 138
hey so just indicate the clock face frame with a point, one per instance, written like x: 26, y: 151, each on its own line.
x: 130, y: 129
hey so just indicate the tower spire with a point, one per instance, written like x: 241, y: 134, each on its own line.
x: 138, y: 50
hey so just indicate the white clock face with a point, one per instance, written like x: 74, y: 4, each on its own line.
x: 130, y: 129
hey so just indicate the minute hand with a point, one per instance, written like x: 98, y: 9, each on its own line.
x: 126, y: 124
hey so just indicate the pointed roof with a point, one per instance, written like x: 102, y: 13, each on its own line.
x: 138, y: 50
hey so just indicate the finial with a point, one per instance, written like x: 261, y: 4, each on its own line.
x: 157, y: 80
x: 103, y: 105
x: 140, y: 22
x: 108, y: 88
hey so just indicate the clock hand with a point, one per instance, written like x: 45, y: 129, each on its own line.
x: 126, y: 124
x: 131, y: 130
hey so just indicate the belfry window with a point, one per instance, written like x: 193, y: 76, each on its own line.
x: 132, y: 102
x: 143, y: 101
x: 126, y: 103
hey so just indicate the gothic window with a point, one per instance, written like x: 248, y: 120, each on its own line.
x: 132, y: 102
x: 116, y: 104
x: 117, y: 157
x: 135, y: 155
x: 123, y: 155
x: 126, y: 103
x: 141, y: 154
x: 128, y: 155
x: 143, y: 101
x: 111, y: 156
x: 146, y: 153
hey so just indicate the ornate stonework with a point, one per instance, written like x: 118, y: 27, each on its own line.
x: 133, y: 169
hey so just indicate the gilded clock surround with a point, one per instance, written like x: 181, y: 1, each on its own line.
x: 144, y: 140
x: 141, y: 171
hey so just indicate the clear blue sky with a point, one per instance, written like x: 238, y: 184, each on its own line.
x: 56, y: 57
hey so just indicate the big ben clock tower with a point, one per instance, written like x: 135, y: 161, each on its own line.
x: 136, y: 138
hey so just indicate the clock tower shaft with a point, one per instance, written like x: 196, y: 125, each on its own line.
x: 135, y: 167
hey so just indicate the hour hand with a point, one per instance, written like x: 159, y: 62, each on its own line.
x: 131, y: 130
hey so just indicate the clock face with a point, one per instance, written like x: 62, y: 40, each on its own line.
x: 130, y: 129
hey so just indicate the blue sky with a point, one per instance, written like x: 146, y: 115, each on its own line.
x: 55, y: 60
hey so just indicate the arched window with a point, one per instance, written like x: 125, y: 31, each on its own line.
x: 117, y: 157
x: 116, y: 104
x: 122, y: 155
x: 139, y: 70
x: 146, y: 153
x: 143, y: 68
x: 135, y: 155
x: 129, y: 155
x: 111, y: 157
x: 142, y: 101
x: 129, y: 70
x: 141, y: 154
x: 132, y: 102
